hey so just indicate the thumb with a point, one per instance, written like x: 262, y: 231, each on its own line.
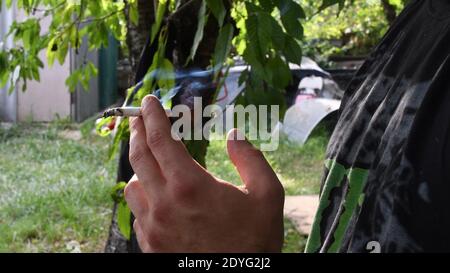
x: 255, y: 171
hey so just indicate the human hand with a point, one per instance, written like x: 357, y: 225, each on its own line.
x: 180, y: 207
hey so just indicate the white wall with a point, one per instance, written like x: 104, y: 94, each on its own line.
x: 8, y: 102
x: 43, y: 100
x: 49, y: 97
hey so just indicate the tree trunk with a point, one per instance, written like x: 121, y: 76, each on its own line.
x: 127, y: 65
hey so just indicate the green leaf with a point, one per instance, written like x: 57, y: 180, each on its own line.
x: 290, y: 8
x: 35, y: 73
x: 267, y: 5
x: 259, y: 25
x: 281, y: 74
x: 166, y: 76
x: 259, y: 37
x: 290, y: 13
x: 91, y: 69
x: 123, y: 211
x: 253, y: 57
x: 264, y: 30
x: 159, y: 16
x: 202, y: 18
x: 277, y: 35
x: 101, y: 128
x: 117, y: 192
x: 223, y: 46
x: 218, y: 9
x: 292, y: 51
x: 4, y: 79
x: 73, y: 80
x: 3, y: 65
x: 52, y: 48
x: 124, y: 219
x: 62, y: 52
x: 154, y: 70
x: 26, y: 38
x: 134, y: 14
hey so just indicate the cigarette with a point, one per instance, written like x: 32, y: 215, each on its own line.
x: 127, y: 112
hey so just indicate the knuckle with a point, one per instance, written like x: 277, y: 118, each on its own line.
x: 155, y: 139
x: 135, y: 155
x: 129, y: 188
x: 184, y: 192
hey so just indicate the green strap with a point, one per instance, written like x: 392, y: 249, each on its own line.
x: 333, y: 180
x: 357, y: 178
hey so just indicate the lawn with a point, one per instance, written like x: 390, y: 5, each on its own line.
x: 54, y: 190
x: 299, y: 168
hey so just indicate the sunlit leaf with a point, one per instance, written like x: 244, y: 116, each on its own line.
x: 123, y: 211
x: 159, y: 16
x: 124, y: 219
x: 134, y: 14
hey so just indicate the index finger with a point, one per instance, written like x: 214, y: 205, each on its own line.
x: 171, y: 154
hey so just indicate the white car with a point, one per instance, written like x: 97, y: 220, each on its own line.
x: 313, y: 97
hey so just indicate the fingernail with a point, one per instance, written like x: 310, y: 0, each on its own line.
x: 148, y: 100
x: 149, y: 103
x: 145, y: 102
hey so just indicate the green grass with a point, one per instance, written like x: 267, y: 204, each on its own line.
x: 55, y: 190
x: 299, y: 168
x: 294, y: 242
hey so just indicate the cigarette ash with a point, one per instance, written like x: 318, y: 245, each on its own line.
x: 113, y: 112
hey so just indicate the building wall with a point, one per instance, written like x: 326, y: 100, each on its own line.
x: 44, y: 100
x: 49, y: 98
x: 8, y: 102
